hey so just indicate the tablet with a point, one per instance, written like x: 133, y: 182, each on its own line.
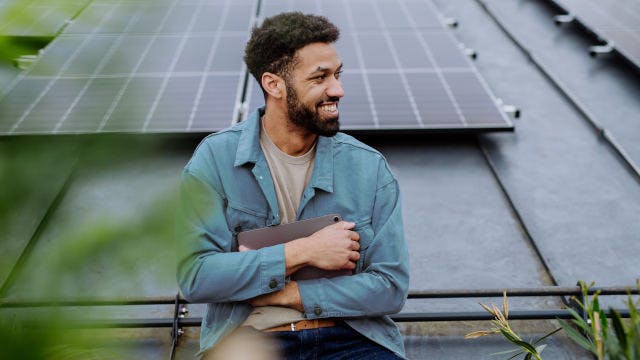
x: 280, y: 234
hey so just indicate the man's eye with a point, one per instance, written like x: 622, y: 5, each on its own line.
x: 338, y: 74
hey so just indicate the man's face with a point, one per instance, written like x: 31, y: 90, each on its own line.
x: 314, y: 89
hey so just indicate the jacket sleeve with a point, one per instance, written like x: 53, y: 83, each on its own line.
x: 382, y: 285
x: 208, y: 269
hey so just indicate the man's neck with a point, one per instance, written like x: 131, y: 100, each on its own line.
x: 288, y: 137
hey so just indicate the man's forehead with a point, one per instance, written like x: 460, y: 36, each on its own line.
x: 317, y: 57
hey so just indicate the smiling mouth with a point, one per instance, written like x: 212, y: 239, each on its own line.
x: 329, y: 108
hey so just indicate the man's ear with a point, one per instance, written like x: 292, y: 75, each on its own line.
x: 273, y: 85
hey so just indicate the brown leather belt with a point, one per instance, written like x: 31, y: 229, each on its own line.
x: 304, y: 325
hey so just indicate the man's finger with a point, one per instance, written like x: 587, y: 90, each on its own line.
x: 354, y: 236
x: 346, y: 225
x: 354, y: 256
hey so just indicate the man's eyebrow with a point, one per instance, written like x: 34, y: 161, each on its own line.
x: 325, y: 69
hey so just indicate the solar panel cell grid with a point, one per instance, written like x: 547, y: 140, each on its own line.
x: 90, y: 56
x: 410, y: 55
x: 52, y: 106
x: 17, y: 102
x: 175, y: 105
x: 194, y: 54
x: 357, y: 107
x: 444, y: 51
x: 132, y: 108
x: 434, y: 105
x: 214, y: 110
x: 91, y: 108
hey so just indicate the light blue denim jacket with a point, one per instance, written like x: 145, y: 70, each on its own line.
x: 227, y: 188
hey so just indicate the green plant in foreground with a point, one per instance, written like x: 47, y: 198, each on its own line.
x: 530, y: 350
x: 616, y: 341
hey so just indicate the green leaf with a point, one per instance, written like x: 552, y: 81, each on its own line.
x: 576, y: 315
x: 578, y: 338
x: 582, y: 325
x: 604, y: 325
x: 509, y: 336
x: 546, y: 336
x: 595, y: 303
x: 526, y: 346
x: 619, y: 328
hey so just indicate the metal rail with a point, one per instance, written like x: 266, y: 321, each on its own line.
x: 415, y: 294
x: 179, y: 320
x: 402, y: 317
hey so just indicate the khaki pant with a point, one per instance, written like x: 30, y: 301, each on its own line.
x: 244, y: 343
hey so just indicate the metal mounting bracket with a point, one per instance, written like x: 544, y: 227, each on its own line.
x: 601, y: 49
x: 176, y: 330
x: 564, y: 19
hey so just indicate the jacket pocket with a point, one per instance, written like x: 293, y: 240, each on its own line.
x: 242, y: 218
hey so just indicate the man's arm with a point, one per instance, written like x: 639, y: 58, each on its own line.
x: 382, y: 286
x: 209, y: 271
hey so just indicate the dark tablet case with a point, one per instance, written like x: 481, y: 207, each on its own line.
x: 280, y: 234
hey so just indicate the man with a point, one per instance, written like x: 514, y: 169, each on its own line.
x: 288, y: 162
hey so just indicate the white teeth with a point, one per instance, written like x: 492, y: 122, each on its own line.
x: 330, y: 108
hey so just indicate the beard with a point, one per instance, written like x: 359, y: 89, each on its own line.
x: 309, y: 119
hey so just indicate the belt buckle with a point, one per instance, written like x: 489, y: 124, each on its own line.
x: 293, y: 326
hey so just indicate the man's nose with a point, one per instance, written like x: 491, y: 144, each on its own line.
x: 335, y: 89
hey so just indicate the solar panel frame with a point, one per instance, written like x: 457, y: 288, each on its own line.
x: 613, y: 24
x: 360, y: 43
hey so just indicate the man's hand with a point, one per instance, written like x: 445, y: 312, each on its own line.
x: 287, y: 297
x: 333, y: 248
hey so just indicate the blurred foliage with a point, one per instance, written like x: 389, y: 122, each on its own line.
x: 129, y: 250
x: 28, y: 25
x: 530, y: 350
x: 614, y: 339
x: 118, y: 243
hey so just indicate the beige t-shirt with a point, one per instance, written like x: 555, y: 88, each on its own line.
x: 290, y: 177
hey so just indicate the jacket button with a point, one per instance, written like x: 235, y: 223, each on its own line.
x: 273, y: 283
x: 317, y: 310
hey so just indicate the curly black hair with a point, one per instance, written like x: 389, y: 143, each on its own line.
x: 273, y: 45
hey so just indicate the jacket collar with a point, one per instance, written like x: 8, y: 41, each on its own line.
x: 249, y: 151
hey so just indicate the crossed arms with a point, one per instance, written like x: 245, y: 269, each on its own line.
x: 210, y: 271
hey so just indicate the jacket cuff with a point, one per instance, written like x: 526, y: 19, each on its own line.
x: 272, y: 268
x: 314, y: 300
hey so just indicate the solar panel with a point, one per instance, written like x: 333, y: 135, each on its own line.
x: 615, y: 21
x: 176, y: 66
x: 403, y: 69
x: 136, y: 67
x: 37, y: 17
